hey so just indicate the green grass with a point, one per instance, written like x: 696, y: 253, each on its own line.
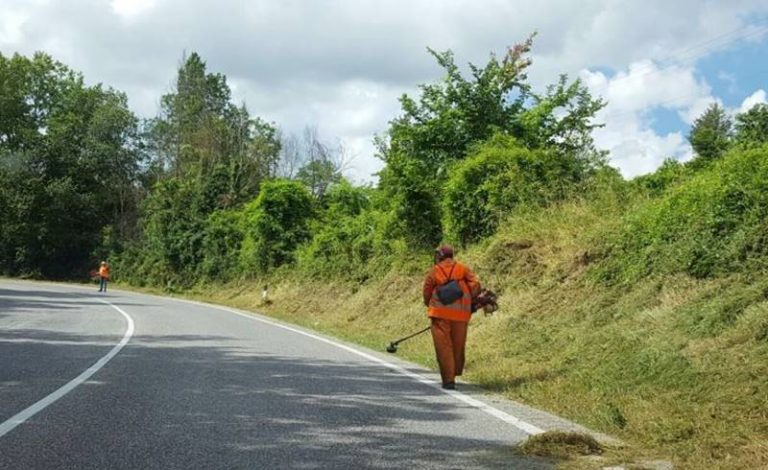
x: 641, y: 315
x: 675, y: 366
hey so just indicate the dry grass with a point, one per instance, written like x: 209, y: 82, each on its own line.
x: 561, y: 445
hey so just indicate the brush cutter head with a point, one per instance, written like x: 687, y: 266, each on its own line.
x: 392, y: 348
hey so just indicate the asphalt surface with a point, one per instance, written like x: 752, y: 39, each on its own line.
x: 200, y: 387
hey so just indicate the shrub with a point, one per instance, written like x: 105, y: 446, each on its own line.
x: 275, y: 224
x: 714, y: 223
x: 222, y: 240
x: 668, y: 175
x: 497, y: 178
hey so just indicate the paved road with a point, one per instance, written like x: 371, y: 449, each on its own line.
x: 200, y: 387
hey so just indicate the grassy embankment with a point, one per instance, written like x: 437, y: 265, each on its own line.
x: 642, y: 317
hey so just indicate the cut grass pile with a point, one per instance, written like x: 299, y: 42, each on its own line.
x: 560, y: 445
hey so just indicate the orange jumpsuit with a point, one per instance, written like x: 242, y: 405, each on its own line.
x: 449, y: 322
x: 103, y: 277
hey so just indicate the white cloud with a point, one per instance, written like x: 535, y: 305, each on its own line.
x: 129, y: 9
x: 755, y: 98
x: 341, y: 64
x: 10, y: 26
x: 633, y: 146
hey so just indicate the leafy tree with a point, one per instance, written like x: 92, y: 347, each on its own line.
x: 200, y: 131
x: 275, y: 224
x: 561, y: 120
x: 221, y: 245
x: 711, y: 134
x: 456, y: 113
x: 318, y: 175
x: 752, y: 126
x: 72, y: 155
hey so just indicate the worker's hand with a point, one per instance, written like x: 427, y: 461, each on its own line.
x: 486, y: 300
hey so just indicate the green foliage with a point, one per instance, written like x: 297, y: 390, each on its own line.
x: 69, y: 163
x: 414, y: 199
x: 669, y: 174
x: 752, y: 126
x: 199, y: 131
x: 561, y: 120
x: 174, y: 217
x: 499, y: 177
x: 344, y: 199
x: 351, y: 247
x: 319, y: 175
x: 222, y: 241
x: 275, y: 224
x: 457, y: 113
x: 714, y: 223
x: 452, y: 114
x: 711, y: 134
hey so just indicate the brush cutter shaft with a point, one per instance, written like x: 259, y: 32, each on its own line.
x: 411, y: 336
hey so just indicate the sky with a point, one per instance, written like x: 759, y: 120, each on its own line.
x: 341, y: 65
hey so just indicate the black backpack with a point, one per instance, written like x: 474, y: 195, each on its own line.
x: 450, y: 291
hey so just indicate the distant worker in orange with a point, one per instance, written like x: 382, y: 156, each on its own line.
x: 103, y: 276
x: 449, y: 289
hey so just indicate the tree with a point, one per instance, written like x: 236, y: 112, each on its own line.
x: 434, y: 132
x: 309, y: 159
x: 452, y: 114
x: 711, y: 134
x: 275, y: 224
x: 200, y: 132
x: 71, y: 158
x: 752, y: 126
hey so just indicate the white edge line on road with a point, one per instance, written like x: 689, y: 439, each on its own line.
x: 29, y: 412
x: 495, y: 412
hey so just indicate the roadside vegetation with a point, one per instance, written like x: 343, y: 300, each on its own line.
x: 638, y: 308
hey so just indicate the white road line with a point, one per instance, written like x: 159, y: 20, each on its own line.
x: 495, y: 412
x: 24, y: 415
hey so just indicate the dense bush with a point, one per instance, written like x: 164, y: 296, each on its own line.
x: 714, y: 223
x: 174, y: 226
x: 222, y: 240
x: 353, y: 239
x: 414, y: 199
x: 275, y: 224
x: 498, y: 177
x: 669, y: 174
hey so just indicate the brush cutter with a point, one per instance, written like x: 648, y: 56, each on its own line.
x: 487, y: 301
x: 392, y: 348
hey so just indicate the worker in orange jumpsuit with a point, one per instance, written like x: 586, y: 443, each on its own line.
x: 103, y: 276
x: 449, y: 318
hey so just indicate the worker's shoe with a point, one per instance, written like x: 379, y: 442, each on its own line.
x: 449, y: 386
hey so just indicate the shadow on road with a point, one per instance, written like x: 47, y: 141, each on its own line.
x: 195, y: 401
x: 12, y: 302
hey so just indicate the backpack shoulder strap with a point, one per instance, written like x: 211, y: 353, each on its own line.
x: 449, y: 276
